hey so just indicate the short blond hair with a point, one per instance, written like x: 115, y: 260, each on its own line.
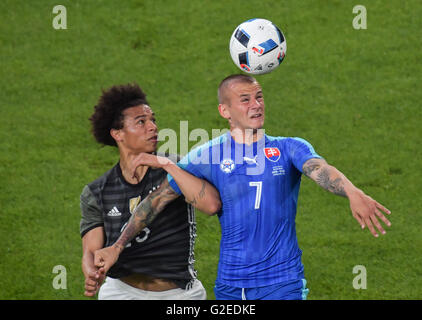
x: 232, y: 78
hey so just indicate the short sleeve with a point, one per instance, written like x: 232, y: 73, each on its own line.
x: 301, y: 151
x: 91, y: 212
x: 197, y: 163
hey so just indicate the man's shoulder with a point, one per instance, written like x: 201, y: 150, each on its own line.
x: 102, y: 180
x: 285, y: 140
x: 209, y: 146
x: 278, y: 141
x: 221, y: 139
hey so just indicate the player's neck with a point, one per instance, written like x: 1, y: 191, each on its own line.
x: 126, y: 166
x: 246, y: 136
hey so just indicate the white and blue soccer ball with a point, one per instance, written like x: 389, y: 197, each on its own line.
x: 257, y: 46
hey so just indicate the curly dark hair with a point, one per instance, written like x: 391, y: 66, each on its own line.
x: 108, y: 112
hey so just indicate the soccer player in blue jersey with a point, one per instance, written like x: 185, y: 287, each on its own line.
x: 258, y: 177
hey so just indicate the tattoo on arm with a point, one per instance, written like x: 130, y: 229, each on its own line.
x: 146, y: 212
x: 335, y: 186
x: 310, y: 166
x: 319, y: 171
x: 200, y: 195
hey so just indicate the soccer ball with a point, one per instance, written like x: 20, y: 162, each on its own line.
x: 257, y: 46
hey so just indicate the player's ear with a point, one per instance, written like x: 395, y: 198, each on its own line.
x: 116, y: 134
x: 223, y: 109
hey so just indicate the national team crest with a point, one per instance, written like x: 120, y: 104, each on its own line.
x: 227, y: 165
x: 272, y: 154
x: 133, y: 203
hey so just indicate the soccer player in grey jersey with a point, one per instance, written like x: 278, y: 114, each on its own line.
x: 158, y: 263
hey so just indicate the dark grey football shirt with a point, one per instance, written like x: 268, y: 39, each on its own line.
x: 164, y: 249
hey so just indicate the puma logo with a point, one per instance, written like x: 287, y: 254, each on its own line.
x: 247, y: 159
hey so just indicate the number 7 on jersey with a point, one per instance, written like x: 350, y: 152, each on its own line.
x: 258, y: 185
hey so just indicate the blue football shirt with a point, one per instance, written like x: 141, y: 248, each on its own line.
x: 259, y: 188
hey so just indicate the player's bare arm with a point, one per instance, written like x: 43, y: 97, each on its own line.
x: 92, y: 241
x: 364, y: 209
x: 142, y: 216
x: 198, y: 192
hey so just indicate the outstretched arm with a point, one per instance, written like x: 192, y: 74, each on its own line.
x: 364, y: 209
x: 143, y: 215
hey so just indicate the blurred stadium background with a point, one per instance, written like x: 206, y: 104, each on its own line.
x: 354, y: 94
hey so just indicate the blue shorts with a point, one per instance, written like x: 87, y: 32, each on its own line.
x: 290, y: 290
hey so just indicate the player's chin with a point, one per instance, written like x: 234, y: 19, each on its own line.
x: 151, y: 146
x: 256, y: 123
